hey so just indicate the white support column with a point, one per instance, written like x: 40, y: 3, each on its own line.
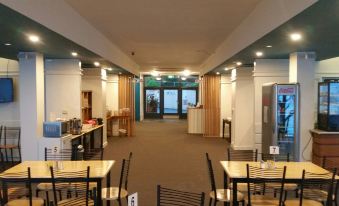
x: 95, y: 79
x: 112, y: 100
x: 302, y: 70
x: 225, y: 101
x: 242, y: 109
x: 266, y: 71
x: 32, y: 105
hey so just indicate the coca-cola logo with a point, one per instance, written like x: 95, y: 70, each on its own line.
x: 289, y: 90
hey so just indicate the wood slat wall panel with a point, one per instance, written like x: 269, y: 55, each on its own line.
x: 126, y: 97
x: 211, y: 101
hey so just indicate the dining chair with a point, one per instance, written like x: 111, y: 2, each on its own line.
x: 257, y: 192
x: 288, y: 187
x: 120, y: 192
x: 170, y: 197
x: 241, y: 155
x: 331, y: 165
x: 83, y: 193
x: 315, y: 190
x: 19, y: 189
x: 11, y: 141
x: 220, y: 195
x: 55, y: 155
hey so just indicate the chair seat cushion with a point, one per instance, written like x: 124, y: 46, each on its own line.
x: 25, y: 202
x: 226, y: 195
x: 49, y: 186
x: 242, y: 187
x: 306, y: 202
x: 315, y: 194
x: 80, y: 201
x: 112, y: 193
x: 287, y: 186
x: 263, y: 200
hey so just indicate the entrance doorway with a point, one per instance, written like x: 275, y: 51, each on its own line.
x: 170, y: 100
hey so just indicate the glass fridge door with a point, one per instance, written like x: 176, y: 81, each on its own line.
x: 285, y: 123
x: 334, y: 98
x: 323, y: 98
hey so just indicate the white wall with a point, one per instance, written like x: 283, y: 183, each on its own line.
x: 242, y: 109
x: 225, y: 101
x: 62, y: 88
x: 266, y: 71
x: 95, y: 80
x: 10, y: 112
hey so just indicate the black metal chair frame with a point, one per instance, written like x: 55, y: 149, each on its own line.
x: 5, y: 139
x: 170, y: 197
x: 315, y: 182
x: 242, y: 155
x: 77, y: 176
x: 257, y: 178
x: 212, y: 181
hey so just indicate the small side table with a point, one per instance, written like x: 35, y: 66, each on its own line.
x: 229, y: 122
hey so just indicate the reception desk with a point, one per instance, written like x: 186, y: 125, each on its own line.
x: 195, y: 119
x: 325, y: 144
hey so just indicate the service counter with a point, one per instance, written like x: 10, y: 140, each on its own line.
x: 325, y: 144
x: 195, y: 120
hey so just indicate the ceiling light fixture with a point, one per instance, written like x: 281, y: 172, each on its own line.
x: 158, y: 78
x: 170, y: 76
x: 226, y: 69
x: 259, y: 54
x: 239, y: 63
x: 186, y: 72
x: 74, y: 54
x: 183, y: 78
x: 120, y: 73
x: 109, y: 69
x: 295, y: 36
x: 34, y: 38
x: 217, y: 73
x: 96, y: 64
x: 8, y: 44
x: 269, y: 46
x: 155, y: 73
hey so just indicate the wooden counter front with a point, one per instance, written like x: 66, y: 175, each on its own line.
x: 195, y: 120
x: 325, y: 144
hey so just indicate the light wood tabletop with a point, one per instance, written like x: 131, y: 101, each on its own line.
x: 40, y: 169
x: 237, y: 169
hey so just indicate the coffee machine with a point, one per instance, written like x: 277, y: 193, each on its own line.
x: 75, y: 126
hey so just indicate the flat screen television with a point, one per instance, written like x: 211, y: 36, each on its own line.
x: 6, y: 90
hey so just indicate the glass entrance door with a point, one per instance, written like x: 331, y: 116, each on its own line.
x: 188, y: 98
x: 152, y: 103
x: 171, y: 101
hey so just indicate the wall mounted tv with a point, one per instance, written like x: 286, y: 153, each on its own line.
x: 6, y: 90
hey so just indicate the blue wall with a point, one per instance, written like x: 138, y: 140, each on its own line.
x: 137, y: 101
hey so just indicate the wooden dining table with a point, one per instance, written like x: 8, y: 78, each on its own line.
x: 40, y: 172
x: 236, y: 171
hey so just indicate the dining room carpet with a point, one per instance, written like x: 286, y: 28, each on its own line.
x: 163, y: 153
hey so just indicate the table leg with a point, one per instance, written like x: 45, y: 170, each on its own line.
x: 223, y: 129
x: 108, y: 185
x: 230, y: 132
x: 225, y: 184
x: 99, y: 188
x: 235, y: 191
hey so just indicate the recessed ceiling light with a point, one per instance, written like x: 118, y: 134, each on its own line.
x: 96, y: 64
x: 109, y: 69
x: 239, y: 63
x: 155, y: 73
x: 8, y: 44
x: 158, y: 78
x: 183, y: 78
x: 295, y: 36
x: 217, y: 73
x: 74, y: 54
x: 120, y: 73
x: 226, y: 69
x: 269, y: 46
x: 34, y: 38
x: 259, y: 54
x: 186, y: 72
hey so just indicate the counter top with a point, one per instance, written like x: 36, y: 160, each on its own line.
x: 318, y: 131
x: 74, y: 136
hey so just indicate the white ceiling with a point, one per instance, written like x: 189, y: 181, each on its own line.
x: 165, y: 33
